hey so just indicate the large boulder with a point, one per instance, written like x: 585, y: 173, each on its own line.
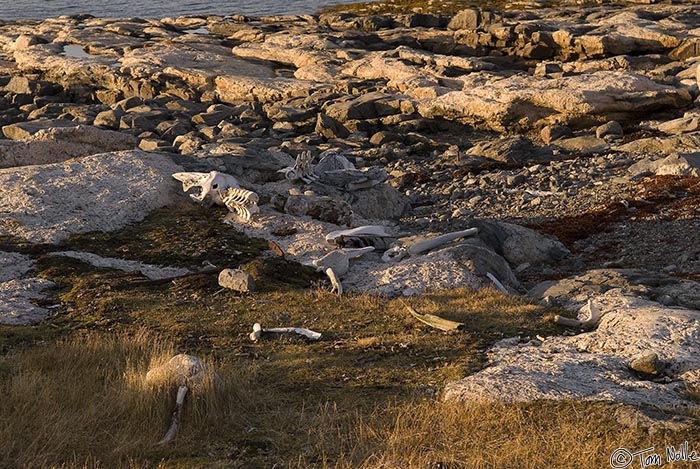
x: 104, y: 192
x: 520, y: 245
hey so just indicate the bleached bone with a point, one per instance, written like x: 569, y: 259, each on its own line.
x: 258, y: 331
x: 593, y: 315
x: 242, y: 202
x: 432, y: 243
x: 362, y: 236
x: 208, y: 184
x: 497, y: 282
x: 339, y: 260
x: 177, y: 416
x: 396, y: 253
x: 302, y: 169
x: 185, y: 371
x: 337, y: 286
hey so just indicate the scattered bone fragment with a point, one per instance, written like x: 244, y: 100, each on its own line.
x: 592, y: 317
x: 258, y: 331
x: 435, y: 321
x: 335, y: 282
x: 222, y: 189
x: 242, y: 202
x: 339, y: 260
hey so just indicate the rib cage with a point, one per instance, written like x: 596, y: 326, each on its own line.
x: 242, y: 202
x: 303, y: 168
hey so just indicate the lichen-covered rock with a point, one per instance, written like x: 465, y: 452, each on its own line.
x: 236, y: 280
x: 47, y: 203
x: 594, y: 365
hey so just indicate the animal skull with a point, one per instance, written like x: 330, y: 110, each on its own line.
x: 210, y: 184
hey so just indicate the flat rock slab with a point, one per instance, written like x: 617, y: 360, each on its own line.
x: 153, y: 272
x: 53, y: 141
x: 530, y: 101
x: 103, y: 192
x: 17, y: 301
x: 13, y: 265
x: 594, y: 366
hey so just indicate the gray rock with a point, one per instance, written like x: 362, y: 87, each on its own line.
x: 689, y: 123
x: 646, y: 363
x: 585, y: 144
x: 56, y: 144
x: 26, y: 130
x: 366, y: 106
x: 323, y: 208
x: 520, y: 245
x: 609, y: 130
x: 650, y: 285
x: 594, y: 366
x: 473, y: 18
x: 686, y: 164
x: 236, y: 280
x: 110, y: 118
x: 18, y: 298
x: 516, y: 150
x: 329, y: 127
x: 381, y: 202
x: 550, y: 133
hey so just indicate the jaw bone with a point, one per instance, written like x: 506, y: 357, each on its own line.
x: 209, y: 184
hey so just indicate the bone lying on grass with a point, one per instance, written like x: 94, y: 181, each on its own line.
x: 593, y: 315
x: 184, y: 371
x: 258, y: 331
x: 435, y: 321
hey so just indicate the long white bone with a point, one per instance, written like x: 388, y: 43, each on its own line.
x: 592, y: 317
x: 258, y: 331
x: 397, y: 253
x: 209, y: 183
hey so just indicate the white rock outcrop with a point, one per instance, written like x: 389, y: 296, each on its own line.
x: 595, y: 366
x: 102, y: 192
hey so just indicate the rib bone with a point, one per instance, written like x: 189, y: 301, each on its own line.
x: 242, y: 202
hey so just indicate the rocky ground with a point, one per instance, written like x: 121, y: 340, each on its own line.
x: 567, y: 135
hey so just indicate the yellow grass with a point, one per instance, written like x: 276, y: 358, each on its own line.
x: 83, y: 402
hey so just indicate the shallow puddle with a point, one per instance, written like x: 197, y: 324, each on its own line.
x: 75, y: 51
